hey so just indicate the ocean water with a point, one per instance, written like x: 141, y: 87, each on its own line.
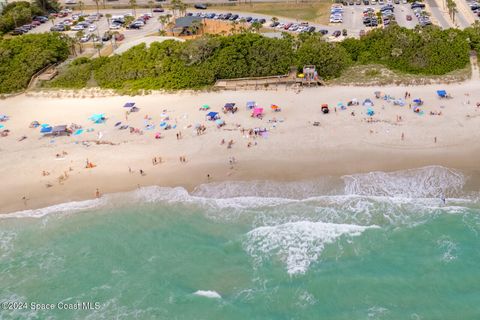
x: 367, y: 246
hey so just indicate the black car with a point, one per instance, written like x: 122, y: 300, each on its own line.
x: 417, y: 5
x: 106, y: 36
x: 234, y: 17
x: 133, y: 26
x: 274, y: 24
x: 248, y: 19
x: 262, y: 21
x: 366, y: 2
x: 17, y: 32
x: 311, y: 29
x: 323, y: 31
x: 227, y: 16
x: 201, y: 6
x: 337, y: 33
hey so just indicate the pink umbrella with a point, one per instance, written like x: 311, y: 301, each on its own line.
x: 257, y: 112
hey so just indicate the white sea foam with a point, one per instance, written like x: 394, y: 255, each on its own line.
x: 208, y: 294
x: 58, y: 208
x: 448, y: 248
x: 6, y: 242
x: 297, y: 244
x: 425, y: 182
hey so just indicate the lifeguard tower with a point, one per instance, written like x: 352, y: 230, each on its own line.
x: 310, y: 76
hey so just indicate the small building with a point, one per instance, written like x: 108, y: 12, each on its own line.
x: 184, y: 26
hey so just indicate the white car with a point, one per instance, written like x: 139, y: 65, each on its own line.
x: 92, y: 28
x: 78, y: 28
x: 115, y: 26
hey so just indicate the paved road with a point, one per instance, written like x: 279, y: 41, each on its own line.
x: 438, y: 14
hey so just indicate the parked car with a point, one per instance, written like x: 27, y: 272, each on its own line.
x: 86, y: 37
x: 337, y: 33
x: 159, y: 10
x: 323, y: 31
x: 115, y: 26
x: 200, y: 6
x: 106, y: 36
x: 134, y: 26
x: 344, y: 32
x: 92, y: 28
x: 17, y: 32
x: 274, y: 24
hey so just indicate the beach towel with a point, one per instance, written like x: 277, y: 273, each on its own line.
x: 78, y: 132
x: 2, y: 126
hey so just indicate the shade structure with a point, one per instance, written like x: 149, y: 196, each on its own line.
x: 46, y: 129
x: 129, y: 105
x: 251, y: 104
x: 229, y: 106
x: 212, y: 115
x: 257, y: 112
x: 442, y: 93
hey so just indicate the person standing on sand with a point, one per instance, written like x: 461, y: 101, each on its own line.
x: 142, y: 172
x: 97, y: 193
x: 435, y: 139
x: 403, y: 136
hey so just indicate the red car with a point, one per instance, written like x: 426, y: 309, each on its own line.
x: 288, y: 25
x: 409, y: 17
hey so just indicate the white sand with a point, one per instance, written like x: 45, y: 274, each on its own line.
x: 294, y: 148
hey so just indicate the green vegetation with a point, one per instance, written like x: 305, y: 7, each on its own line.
x: 318, y: 11
x: 428, y: 51
x: 199, y: 63
x: 21, y: 57
x: 18, y: 13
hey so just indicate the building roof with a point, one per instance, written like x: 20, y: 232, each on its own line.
x: 185, y: 22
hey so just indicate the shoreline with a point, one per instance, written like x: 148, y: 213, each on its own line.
x: 294, y: 149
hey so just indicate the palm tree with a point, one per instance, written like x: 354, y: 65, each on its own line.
x: 178, y: 6
x: 163, y: 21
x: 78, y: 36
x: 96, y: 4
x: 133, y: 3
x: 274, y: 19
x: 170, y: 26
x: 150, y: 5
x: 452, y: 8
x: 81, y: 5
x: 234, y: 26
x: 196, y: 25
x: 256, y: 26
x: 108, y: 16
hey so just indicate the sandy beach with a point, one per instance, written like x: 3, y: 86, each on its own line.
x: 44, y: 170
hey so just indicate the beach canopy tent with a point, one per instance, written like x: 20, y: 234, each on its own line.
x: 219, y: 122
x: 353, y: 102
x: 46, y: 129
x: 59, y: 130
x: 370, y: 112
x: 257, y: 112
x: 442, y: 93
x: 399, y: 102
x: 205, y: 107
x: 418, y: 101
x: 34, y: 124
x: 368, y: 103
x: 250, y: 104
x: 129, y: 105
x: 378, y: 94
x: 229, y: 106
x: 275, y: 108
x: 98, y: 118
x: 212, y: 116
x: 3, y: 117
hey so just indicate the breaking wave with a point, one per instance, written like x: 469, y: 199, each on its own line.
x: 297, y: 244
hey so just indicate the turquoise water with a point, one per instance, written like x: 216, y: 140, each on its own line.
x: 372, y: 246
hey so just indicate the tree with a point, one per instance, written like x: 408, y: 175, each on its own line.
x: 196, y: 26
x: 274, y: 19
x: 150, y: 5
x: 256, y: 26
x: 96, y: 4
x: 108, y: 16
x: 178, y: 7
x: 81, y: 5
x: 233, y: 30
x: 163, y: 21
x: 133, y: 4
x: 452, y: 8
x: 79, y: 35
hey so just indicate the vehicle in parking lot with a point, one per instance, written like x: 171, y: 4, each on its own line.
x: 17, y: 32
x: 106, y: 36
x: 200, y: 6
x: 274, y: 24
x: 337, y: 33
x: 92, y: 28
x: 344, y: 32
x: 323, y: 31
x: 158, y: 10
x: 115, y: 26
x: 134, y: 26
x: 78, y: 27
x: 86, y: 37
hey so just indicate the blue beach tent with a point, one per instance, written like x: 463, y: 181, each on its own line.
x: 442, y: 93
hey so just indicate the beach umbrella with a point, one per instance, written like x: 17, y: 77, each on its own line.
x: 250, y: 104
x: 205, y: 107
x: 370, y: 112
x: 117, y: 124
x: 219, y: 122
x: 129, y: 105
